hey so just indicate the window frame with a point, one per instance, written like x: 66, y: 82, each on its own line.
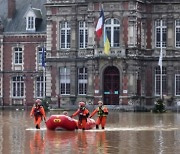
x: 30, y: 23
x: 65, y: 30
x: 177, y: 32
x: 39, y: 86
x: 18, y: 56
x: 82, y: 80
x: 157, y: 81
x: 110, y: 25
x: 83, y: 33
x: 18, y: 87
x: 160, y: 29
x: 65, y: 80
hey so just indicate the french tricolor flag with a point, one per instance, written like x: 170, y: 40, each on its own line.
x: 100, y: 23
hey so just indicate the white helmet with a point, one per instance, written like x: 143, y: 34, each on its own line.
x: 100, y: 102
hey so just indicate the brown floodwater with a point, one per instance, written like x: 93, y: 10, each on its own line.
x: 125, y: 133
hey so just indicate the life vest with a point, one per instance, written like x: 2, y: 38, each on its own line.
x: 102, y: 111
x: 83, y: 113
x: 37, y: 111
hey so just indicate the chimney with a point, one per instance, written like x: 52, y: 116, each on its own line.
x: 11, y: 8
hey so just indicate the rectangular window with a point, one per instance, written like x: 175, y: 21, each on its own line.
x: 17, y: 55
x: 65, y: 81
x: 116, y: 36
x: 177, y: 84
x: 177, y: 33
x: 160, y: 33
x: 83, y: 34
x: 65, y: 35
x: 82, y: 81
x: 30, y: 23
x: 158, y: 81
x: 40, y: 86
x: 177, y: 81
x: 18, y: 86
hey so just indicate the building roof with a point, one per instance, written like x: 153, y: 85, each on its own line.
x: 18, y: 23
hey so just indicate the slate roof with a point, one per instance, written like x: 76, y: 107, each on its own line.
x: 18, y: 23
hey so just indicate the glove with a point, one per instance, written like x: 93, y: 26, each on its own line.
x: 71, y: 116
x: 90, y: 116
x: 106, y: 113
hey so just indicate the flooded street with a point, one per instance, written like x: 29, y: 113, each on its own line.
x: 125, y: 133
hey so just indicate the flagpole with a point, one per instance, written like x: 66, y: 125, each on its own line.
x: 44, y: 81
x: 44, y: 72
x: 161, y: 64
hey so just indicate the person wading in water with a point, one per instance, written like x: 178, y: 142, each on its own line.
x: 83, y: 115
x: 38, y: 113
x: 102, y: 115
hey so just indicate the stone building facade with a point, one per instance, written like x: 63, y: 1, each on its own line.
x: 77, y: 69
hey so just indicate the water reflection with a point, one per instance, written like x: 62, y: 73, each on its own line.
x: 75, y: 142
x: 37, y: 143
x: 131, y: 133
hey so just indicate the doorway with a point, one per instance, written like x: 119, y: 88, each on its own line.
x: 111, y: 86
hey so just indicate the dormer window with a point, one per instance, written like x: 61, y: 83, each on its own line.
x: 30, y: 23
x: 33, y: 18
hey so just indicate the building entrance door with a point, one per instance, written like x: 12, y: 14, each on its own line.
x: 111, y: 86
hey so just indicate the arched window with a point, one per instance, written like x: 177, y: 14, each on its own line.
x: 112, y: 29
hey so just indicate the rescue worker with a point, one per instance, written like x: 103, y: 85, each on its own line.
x: 83, y: 114
x: 102, y: 115
x: 38, y: 113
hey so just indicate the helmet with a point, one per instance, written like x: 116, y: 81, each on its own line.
x: 38, y: 101
x: 81, y: 104
x: 100, y: 102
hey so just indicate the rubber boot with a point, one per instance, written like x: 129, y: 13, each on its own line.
x: 97, y: 127
x: 102, y: 127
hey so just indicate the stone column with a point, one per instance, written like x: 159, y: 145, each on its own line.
x: 125, y: 84
x: 90, y: 90
x: 170, y: 80
x: 74, y: 32
x: 73, y: 79
x: 91, y: 26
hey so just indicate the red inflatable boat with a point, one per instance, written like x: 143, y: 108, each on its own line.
x: 63, y: 122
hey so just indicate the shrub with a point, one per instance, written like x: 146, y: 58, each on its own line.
x: 45, y: 103
x: 159, y: 106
